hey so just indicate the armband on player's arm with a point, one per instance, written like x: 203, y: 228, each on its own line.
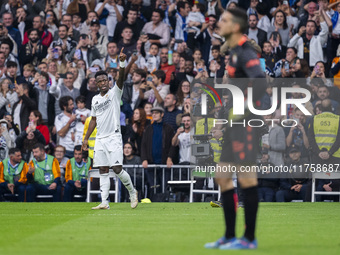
x: 122, y: 64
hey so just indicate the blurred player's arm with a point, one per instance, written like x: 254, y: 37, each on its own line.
x: 252, y: 67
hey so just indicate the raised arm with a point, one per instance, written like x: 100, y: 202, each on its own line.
x: 122, y: 59
x: 333, y: 4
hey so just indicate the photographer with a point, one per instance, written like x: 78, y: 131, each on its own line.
x: 76, y: 173
x: 64, y: 89
x: 6, y: 142
x: 67, y: 44
x: 154, y: 89
x: 27, y: 139
x: 319, y: 72
x: 282, y: 67
x: 23, y: 107
x: 8, y: 96
x: 85, y: 51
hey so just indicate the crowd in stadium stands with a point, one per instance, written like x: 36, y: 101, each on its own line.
x: 50, y: 51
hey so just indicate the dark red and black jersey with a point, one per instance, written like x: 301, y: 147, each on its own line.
x: 244, y: 62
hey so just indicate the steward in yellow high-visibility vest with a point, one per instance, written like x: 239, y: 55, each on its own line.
x: 324, y: 136
x: 92, y: 138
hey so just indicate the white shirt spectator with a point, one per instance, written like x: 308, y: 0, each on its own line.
x: 184, y: 147
x: 264, y: 23
x: 111, y: 20
x: 80, y: 125
x: 315, y: 45
x: 60, y: 122
x: 163, y: 90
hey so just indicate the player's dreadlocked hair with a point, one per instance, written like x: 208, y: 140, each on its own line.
x: 101, y: 73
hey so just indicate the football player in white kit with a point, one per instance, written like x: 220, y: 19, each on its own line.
x: 108, y: 149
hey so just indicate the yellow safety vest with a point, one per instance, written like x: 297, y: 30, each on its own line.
x: 326, y: 127
x: 92, y: 138
x: 216, y: 145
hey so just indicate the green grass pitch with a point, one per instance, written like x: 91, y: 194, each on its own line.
x: 162, y: 228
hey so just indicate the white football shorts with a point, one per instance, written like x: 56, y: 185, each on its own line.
x: 108, y: 151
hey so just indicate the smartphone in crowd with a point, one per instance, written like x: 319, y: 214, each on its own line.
x: 55, y: 53
x: 94, y: 69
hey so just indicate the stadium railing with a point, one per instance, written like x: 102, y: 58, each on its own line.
x: 175, y: 177
x: 94, y: 173
x: 324, y: 175
x: 201, y: 174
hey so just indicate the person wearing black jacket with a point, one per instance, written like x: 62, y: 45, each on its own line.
x: 132, y: 21
x: 188, y: 75
x: 267, y: 181
x: 43, y: 98
x: 25, y: 105
x: 26, y: 140
x: 33, y: 51
x: 89, y: 89
x: 156, y: 147
x: 295, y: 181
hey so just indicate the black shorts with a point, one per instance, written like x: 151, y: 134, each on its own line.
x: 241, y: 144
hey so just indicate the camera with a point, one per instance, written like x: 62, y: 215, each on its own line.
x: 202, y: 150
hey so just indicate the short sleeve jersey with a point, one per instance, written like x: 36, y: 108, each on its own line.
x: 107, y: 111
x: 244, y: 62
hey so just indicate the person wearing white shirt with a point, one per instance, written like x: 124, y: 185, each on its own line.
x: 65, y: 124
x: 115, y: 15
x: 157, y: 89
x: 305, y: 37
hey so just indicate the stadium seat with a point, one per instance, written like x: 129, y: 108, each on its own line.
x: 324, y: 175
x: 11, y: 197
x: 94, y: 173
x: 44, y: 198
x: 200, y: 174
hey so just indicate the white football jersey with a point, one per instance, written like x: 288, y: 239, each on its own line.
x: 107, y: 111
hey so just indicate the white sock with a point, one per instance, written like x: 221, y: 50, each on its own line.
x: 126, y: 180
x: 104, y: 187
